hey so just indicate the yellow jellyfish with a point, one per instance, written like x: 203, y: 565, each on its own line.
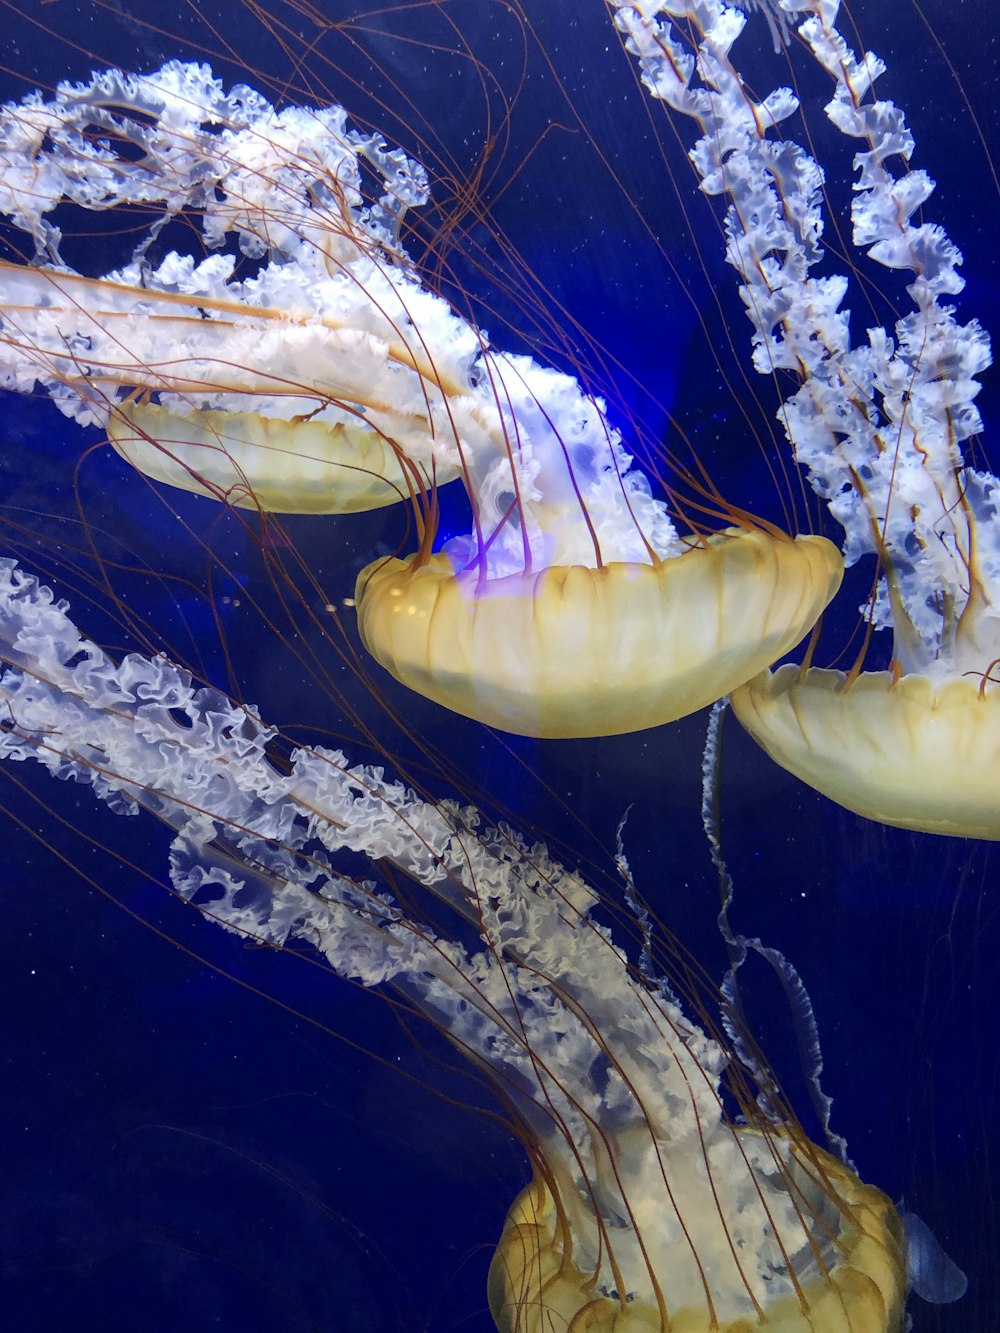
x: 855, y: 1266
x: 259, y: 462
x: 879, y: 425
x: 574, y: 650
x: 651, y: 1207
x: 333, y: 379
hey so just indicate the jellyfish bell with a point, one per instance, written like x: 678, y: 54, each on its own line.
x: 917, y: 746
x: 847, y: 1273
x: 255, y: 461
x: 913, y: 751
x: 574, y: 650
x: 332, y: 379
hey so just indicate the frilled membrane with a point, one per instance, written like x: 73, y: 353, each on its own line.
x: 254, y: 461
x: 576, y: 651
x: 911, y: 751
x: 859, y: 1287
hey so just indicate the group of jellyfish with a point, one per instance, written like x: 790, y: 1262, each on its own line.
x: 296, y: 360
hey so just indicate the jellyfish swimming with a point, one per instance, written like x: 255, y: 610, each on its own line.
x: 574, y: 608
x: 895, y: 931
x: 880, y: 426
x: 649, y: 1207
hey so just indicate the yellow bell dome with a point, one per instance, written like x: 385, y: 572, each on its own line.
x: 907, y: 751
x: 534, y: 1286
x: 258, y: 462
x: 578, y: 651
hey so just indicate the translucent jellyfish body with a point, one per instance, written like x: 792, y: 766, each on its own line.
x: 579, y: 651
x: 847, y: 1262
x: 323, y: 376
x: 909, y: 751
x: 652, y: 1208
x: 878, y: 424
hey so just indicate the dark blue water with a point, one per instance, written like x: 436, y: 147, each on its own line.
x: 198, y: 1135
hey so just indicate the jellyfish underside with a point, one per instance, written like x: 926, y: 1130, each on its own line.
x: 917, y: 747
x: 577, y: 651
x: 849, y: 1267
x: 907, y: 751
x: 252, y: 461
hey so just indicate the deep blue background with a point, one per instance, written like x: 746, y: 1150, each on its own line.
x: 180, y: 1151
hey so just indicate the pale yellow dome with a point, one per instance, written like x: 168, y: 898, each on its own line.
x: 906, y: 751
x: 534, y: 1286
x: 575, y: 651
x: 253, y: 461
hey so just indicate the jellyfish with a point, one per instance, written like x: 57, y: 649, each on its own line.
x: 839, y: 890
x: 649, y: 1207
x: 880, y: 427
x: 574, y: 608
